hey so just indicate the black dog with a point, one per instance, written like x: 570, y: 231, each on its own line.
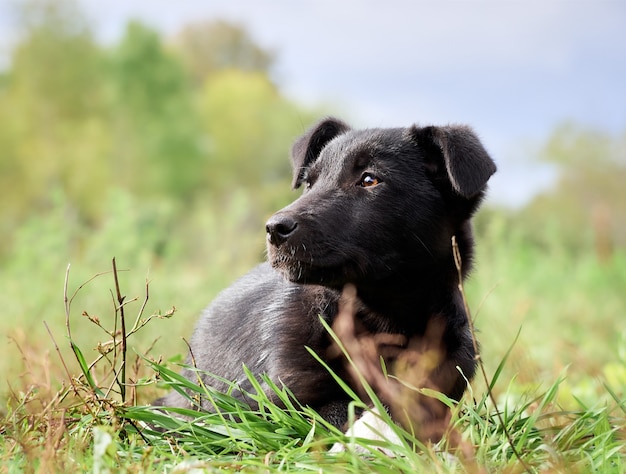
x: 379, y: 210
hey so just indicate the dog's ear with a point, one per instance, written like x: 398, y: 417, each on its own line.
x: 308, y: 147
x: 458, y: 149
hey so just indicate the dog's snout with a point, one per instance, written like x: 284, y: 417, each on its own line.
x: 279, y: 228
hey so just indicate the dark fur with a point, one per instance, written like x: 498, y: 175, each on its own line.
x: 392, y: 241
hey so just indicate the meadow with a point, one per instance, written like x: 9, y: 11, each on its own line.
x: 548, y: 324
x: 168, y: 161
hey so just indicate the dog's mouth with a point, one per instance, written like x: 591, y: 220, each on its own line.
x: 299, y: 271
x: 308, y: 270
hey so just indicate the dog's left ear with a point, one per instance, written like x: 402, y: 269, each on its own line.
x: 308, y: 147
x: 467, y: 163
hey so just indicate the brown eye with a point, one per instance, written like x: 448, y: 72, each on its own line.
x: 369, y: 180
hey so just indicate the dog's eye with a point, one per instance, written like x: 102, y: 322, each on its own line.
x: 368, y: 180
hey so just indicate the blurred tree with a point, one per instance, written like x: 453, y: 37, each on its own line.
x: 588, y: 203
x: 50, y: 107
x: 158, y: 136
x: 80, y: 122
x: 250, y: 128
x: 57, y: 63
x: 210, y: 46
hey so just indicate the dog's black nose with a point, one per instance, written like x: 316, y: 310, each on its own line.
x: 279, y: 228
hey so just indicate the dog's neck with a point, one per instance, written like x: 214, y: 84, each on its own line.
x: 419, y: 289
x: 409, y: 303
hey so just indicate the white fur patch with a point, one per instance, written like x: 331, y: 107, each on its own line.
x: 369, y: 426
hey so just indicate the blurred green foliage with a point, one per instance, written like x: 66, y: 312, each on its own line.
x: 85, y: 121
x: 206, y: 47
x: 138, y: 150
x: 155, y: 128
x: 170, y: 157
x: 588, y: 203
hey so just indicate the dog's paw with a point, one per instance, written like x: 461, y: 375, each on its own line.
x: 372, y: 427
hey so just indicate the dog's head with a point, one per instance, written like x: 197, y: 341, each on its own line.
x: 376, y: 201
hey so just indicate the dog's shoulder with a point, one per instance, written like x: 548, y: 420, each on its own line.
x: 264, y: 296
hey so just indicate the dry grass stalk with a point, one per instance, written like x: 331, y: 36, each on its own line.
x: 414, y: 365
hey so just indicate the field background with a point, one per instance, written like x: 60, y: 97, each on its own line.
x: 171, y: 161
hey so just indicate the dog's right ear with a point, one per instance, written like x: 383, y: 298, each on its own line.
x: 309, y: 146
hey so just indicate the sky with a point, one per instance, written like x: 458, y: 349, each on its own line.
x: 513, y: 70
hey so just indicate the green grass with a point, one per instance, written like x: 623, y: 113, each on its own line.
x: 566, y: 308
x: 102, y: 434
x: 98, y: 420
x: 548, y: 322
